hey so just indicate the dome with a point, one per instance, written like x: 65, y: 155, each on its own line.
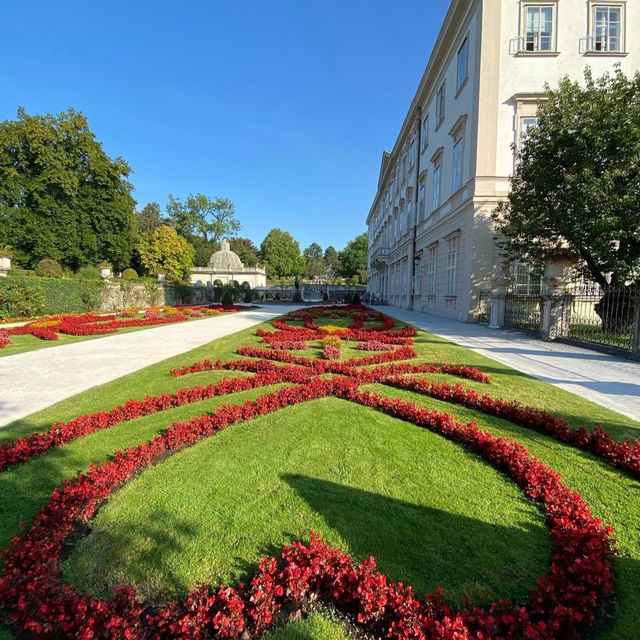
x: 225, y: 259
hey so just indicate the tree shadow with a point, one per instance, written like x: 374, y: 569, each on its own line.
x: 428, y: 547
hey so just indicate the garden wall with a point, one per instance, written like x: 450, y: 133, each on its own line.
x: 32, y: 296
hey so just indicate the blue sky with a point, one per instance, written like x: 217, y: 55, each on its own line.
x: 283, y: 106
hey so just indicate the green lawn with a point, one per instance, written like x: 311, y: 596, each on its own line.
x: 430, y: 512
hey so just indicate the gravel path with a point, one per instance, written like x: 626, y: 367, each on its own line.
x: 36, y: 379
x: 609, y: 381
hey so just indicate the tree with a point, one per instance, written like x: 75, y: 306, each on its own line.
x: 246, y: 250
x: 201, y: 216
x: 332, y: 265
x: 282, y: 254
x: 149, y: 218
x: 354, y: 258
x: 314, y: 262
x: 576, y: 186
x: 166, y: 252
x: 61, y: 195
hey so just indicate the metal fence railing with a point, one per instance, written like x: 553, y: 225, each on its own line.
x: 522, y: 312
x: 600, y: 316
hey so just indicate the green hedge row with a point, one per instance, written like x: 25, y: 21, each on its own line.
x: 22, y: 296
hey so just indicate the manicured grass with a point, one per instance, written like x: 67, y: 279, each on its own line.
x: 316, y: 627
x: 432, y: 513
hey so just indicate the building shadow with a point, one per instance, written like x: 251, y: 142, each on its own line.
x: 427, y: 547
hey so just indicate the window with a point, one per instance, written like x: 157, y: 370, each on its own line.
x: 526, y: 123
x: 440, y: 105
x: 463, y: 64
x: 436, y: 188
x: 527, y: 281
x: 425, y: 132
x: 452, y: 260
x: 421, y: 201
x: 412, y: 153
x: 538, y: 28
x: 607, y: 28
x: 431, y: 283
x: 457, y: 164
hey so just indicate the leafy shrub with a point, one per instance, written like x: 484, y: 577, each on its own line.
x: 88, y: 273
x: 129, y: 274
x: 248, y: 296
x: 48, y: 268
x: 18, y: 299
x: 227, y: 297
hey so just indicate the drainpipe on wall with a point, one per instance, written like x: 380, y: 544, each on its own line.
x: 412, y: 261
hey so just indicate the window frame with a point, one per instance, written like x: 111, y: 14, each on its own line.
x: 525, y: 6
x: 452, y: 265
x: 424, y: 134
x: 458, y: 164
x: 460, y: 82
x: 433, y: 264
x: 437, y: 187
x: 440, y: 104
x: 592, y: 8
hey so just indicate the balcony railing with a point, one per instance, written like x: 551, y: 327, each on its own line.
x: 380, y: 257
x: 601, y: 44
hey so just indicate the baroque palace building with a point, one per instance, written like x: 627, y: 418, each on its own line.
x: 431, y: 243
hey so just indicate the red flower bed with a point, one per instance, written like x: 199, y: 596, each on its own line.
x: 561, y: 603
x: 329, y: 352
x: 4, y: 338
x: 564, y: 598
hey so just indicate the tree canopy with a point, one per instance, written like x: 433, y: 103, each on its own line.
x: 166, y: 252
x: 314, y: 261
x: 332, y: 265
x: 281, y: 253
x: 201, y: 216
x: 149, y: 218
x: 61, y: 195
x: 576, y: 185
x: 246, y: 250
x: 353, y: 258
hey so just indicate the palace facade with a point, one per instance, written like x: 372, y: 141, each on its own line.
x: 431, y: 243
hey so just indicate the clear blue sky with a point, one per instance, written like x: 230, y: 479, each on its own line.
x: 283, y: 106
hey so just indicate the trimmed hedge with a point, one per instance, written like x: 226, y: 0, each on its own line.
x: 21, y: 296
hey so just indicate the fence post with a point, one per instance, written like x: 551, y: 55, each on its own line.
x: 635, y: 349
x: 552, y: 303
x: 499, y: 284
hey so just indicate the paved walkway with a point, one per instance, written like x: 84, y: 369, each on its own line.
x: 36, y: 379
x: 610, y: 381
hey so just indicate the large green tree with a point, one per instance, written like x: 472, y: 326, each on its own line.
x: 576, y: 186
x: 164, y: 251
x: 314, y: 261
x: 199, y: 215
x: 353, y: 258
x: 281, y: 253
x: 61, y: 195
x: 332, y: 265
x: 246, y: 250
x: 149, y: 218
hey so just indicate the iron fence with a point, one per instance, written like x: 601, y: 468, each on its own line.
x: 600, y: 316
x: 522, y: 312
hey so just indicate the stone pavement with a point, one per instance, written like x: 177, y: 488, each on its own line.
x: 610, y: 381
x: 36, y: 379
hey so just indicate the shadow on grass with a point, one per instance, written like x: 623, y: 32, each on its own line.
x: 427, y: 547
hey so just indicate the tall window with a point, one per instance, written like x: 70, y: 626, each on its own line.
x: 421, y: 201
x: 527, y: 281
x: 457, y: 164
x: 607, y: 28
x: 412, y: 153
x: 463, y: 64
x: 425, y: 132
x: 440, y: 104
x: 538, y: 28
x: 436, y: 188
x: 526, y: 123
x: 433, y: 256
x: 452, y: 263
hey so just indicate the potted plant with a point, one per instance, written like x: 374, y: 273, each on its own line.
x: 5, y: 260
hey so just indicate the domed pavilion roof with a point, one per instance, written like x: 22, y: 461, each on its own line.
x: 225, y: 259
